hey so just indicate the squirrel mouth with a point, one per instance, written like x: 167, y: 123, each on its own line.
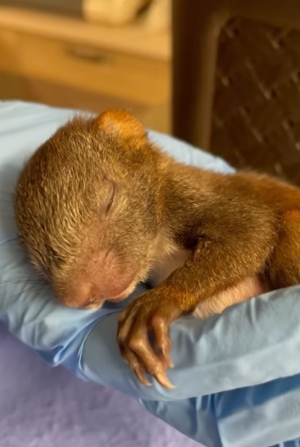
x: 121, y: 296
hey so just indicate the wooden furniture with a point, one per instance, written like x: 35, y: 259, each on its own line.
x: 64, y: 61
x: 236, y: 88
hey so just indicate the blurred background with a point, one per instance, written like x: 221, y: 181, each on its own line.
x: 88, y: 54
x: 223, y: 75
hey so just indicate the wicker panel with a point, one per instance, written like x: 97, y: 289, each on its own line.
x: 256, y: 115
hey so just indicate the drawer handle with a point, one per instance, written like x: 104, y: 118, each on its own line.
x: 87, y: 54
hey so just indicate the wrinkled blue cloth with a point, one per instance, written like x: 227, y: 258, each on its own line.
x: 237, y: 375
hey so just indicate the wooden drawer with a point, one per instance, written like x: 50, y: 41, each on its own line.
x: 84, y: 71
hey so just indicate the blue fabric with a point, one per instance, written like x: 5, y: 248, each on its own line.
x: 237, y: 375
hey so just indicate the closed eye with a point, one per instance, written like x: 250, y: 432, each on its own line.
x: 111, y: 200
x: 52, y: 254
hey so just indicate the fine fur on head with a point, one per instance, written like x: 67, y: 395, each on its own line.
x: 87, y: 208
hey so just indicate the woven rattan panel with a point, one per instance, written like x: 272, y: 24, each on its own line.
x: 256, y: 115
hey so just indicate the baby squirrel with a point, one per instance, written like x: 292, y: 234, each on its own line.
x: 99, y: 208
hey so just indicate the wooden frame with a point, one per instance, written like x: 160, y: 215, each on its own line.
x: 196, y: 25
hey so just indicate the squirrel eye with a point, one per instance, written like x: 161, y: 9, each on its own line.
x: 56, y: 259
x: 111, y: 199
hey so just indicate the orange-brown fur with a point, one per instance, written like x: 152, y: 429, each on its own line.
x: 100, y: 208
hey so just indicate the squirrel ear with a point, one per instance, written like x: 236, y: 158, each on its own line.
x: 122, y: 124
